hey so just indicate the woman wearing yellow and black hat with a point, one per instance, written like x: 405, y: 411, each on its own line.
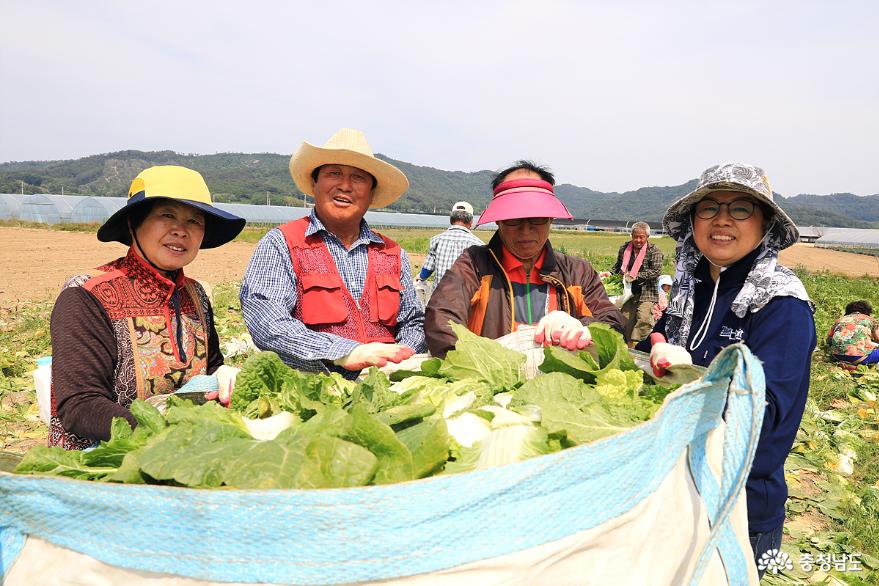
x: 137, y: 326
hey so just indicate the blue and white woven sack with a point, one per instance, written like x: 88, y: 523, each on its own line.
x: 663, y: 503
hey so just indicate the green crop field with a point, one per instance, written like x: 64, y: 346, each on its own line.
x: 833, y: 471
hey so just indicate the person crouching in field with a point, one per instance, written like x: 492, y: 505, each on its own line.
x: 517, y: 278
x: 854, y: 338
x: 138, y: 327
x: 729, y: 288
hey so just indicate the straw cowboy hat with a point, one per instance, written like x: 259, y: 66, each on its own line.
x: 524, y: 198
x: 348, y: 147
x: 740, y: 177
x: 177, y: 184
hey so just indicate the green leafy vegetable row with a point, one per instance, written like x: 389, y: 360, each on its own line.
x: 288, y: 429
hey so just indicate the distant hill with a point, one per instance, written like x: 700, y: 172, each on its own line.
x: 251, y: 177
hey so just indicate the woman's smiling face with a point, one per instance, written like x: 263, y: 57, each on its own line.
x: 723, y: 239
x: 171, y: 234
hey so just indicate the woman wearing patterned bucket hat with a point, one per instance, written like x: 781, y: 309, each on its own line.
x: 137, y: 327
x: 729, y: 288
x: 518, y: 279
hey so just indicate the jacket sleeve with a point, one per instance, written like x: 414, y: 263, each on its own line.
x: 595, y: 297
x: 84, y: 366
x: 653, y: 267
x: 450, y: 302
x: 782, y: 336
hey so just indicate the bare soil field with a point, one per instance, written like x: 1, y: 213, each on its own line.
x: 34, y: 263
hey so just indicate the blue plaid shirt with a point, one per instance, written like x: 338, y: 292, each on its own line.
x: 445, y: 248
x: 268, y: 296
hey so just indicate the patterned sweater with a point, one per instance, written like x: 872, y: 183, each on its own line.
x: 120, y: 333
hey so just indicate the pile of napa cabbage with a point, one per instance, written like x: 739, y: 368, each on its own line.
x: 289, y: 429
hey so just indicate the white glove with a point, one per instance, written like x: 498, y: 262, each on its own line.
x: 664, y: 355
x: 373, y: 354
x: 562, y: 329
x: 226, y: 382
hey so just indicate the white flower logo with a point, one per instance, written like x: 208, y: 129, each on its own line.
x: 774, y: 561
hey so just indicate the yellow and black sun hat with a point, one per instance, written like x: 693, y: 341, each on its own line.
x: 178, y: 184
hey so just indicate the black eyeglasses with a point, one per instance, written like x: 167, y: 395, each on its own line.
x: 738, y: 209
x: 532, y: 221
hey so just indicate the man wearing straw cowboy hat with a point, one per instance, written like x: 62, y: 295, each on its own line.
x: 326, y: 291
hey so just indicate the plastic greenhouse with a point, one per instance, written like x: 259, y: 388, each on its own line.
x: 94, y: 210
x: 257, y: 214
x: 10, y: 205
x: 48, y: 209
x: 54, y: 209
x: 848, y: 238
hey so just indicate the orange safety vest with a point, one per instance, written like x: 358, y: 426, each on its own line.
x: 325, y: 304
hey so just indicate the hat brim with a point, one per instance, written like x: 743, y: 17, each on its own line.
x: 677, y: 218
x: 524, y: 205
x: 220, y: 226
x: 391, y: 183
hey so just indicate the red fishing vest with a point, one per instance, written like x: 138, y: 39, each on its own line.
x: 326, y: 305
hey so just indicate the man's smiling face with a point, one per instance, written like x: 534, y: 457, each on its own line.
x: 342, y: 195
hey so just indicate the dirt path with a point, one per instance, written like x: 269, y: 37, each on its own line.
x: 34, y: 263
x: 822, y: 259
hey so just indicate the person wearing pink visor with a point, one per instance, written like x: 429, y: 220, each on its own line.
x: 517, y: 278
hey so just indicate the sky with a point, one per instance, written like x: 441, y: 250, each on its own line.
x: 612, y: 95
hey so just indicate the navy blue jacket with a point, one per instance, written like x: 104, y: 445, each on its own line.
x: 782, y: 336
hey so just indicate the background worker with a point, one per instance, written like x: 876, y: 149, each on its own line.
x: 854, y: 338
x: 445, y: 248
x: 327, y: 292
x: 664, y: 288
x: 518, y: 278
x: 640, y: 263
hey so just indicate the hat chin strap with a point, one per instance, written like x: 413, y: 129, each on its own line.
x: 145, y: 257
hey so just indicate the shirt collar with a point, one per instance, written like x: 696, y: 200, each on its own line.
x: 134, y: 263
x: 513, y: 266
x: 366, y: 233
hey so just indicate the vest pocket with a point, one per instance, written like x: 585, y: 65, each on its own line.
x: 388, y: 298
x: 323, y: 301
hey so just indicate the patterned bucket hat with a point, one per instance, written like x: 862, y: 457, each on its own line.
x: 740, y: 177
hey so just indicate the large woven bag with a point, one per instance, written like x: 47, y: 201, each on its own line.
x: 663, y: 503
